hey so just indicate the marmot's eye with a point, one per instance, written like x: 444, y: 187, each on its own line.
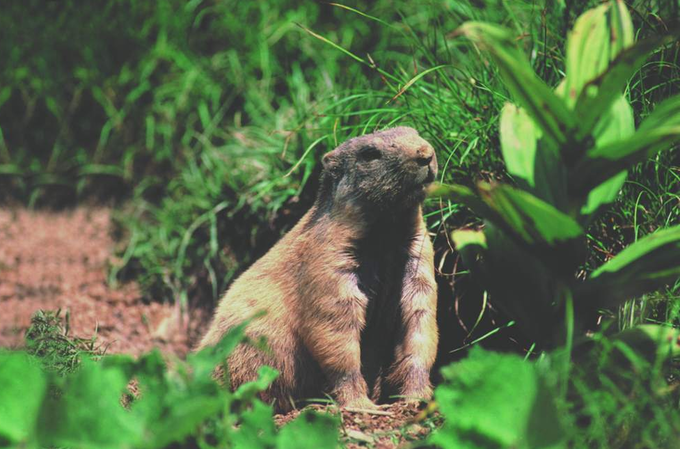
x: 369, y: 154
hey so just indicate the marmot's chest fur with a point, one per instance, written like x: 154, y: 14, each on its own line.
x: 382, y: 264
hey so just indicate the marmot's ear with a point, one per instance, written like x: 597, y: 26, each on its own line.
x: 331, y: 161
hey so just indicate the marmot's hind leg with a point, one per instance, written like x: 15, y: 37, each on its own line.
x: 294, y: 380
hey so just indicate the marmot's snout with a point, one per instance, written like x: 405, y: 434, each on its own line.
x: 424, y: 161
x: 427, y: 162
x: 418, y: 156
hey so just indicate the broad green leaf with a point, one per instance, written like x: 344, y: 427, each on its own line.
x: 601, y: 163
x: 126, y: 363
x: 601, y: 58
x: 310, y: 430
x: 471, y: 245
x: 642, y: 267
x: 174, y: 403
x: 598, y: 37
x: 11, y: 170
x: 598, y: 94
x: 538, y: 225
x: 464, y: 195
x: 530, y: 218
x: 492, y: 400
x: 617, y: 124
x: 658, y: 132
x: 518, y: 143
x: 256, y: 424
x: 22, y: 392
x: 180, y: 419
x: 546, y: 109
x: 152, y: 374
x: 464, y: 237
x: 561, y: 89
x: 587, y: 51
x: 601, y: 196
x: 629, y: 257
x: 205, y: 361
x: 666, y: 113
x: 74, y: 419
x: 249, y: 390
x: 533, y: 162
x: 622, y: 33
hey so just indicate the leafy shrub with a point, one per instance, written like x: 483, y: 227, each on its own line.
x: 618, y: 397
x: 493, y: 400
x: 568, y: 152
x: 179, y: 405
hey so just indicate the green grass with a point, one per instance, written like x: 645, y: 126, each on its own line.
x: 228, y: 195
x: 211, y: 117
x: 48, y: 339
x: 620, y: 400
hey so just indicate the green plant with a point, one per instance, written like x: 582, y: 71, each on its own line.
x: 48, y: 339
x: 568, y: 151
x: 618, y: 398
x: 493, y: 400
x: 623, y: 391
x: 183, y: 405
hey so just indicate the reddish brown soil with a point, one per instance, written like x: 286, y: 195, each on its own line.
x: 59, y: 260
x: 51, y: 261
x: 397, y: 425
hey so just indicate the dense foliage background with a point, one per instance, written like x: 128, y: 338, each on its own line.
x: 203, y: 121
x: 207, y: 118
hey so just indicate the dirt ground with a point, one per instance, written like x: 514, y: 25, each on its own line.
x: 59, y: 260
x: 51, y: 261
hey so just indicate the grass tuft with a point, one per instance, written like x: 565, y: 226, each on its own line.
x: 48, y: 339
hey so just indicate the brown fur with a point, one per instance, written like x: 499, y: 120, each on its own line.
x: 349, y: 293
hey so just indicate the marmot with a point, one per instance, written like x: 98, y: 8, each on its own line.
x: 349, y: 293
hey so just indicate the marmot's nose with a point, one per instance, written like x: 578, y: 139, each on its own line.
x: 424, y: 155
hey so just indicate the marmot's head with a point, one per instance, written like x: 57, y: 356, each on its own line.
x: 384, y: 170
